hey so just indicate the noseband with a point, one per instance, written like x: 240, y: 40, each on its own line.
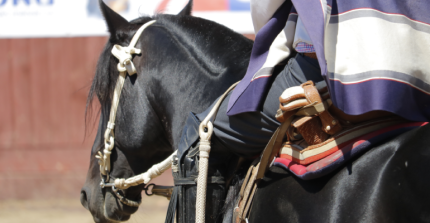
x: 125, y: 65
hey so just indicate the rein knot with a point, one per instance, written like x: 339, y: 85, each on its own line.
x: 120, y: 183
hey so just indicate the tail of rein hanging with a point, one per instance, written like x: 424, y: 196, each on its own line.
x: 205, y: 132
x: 125, y: 65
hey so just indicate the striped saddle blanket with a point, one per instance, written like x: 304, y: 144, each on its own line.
x: 310, y: 162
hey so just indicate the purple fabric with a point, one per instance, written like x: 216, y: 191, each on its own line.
x: 312, y: 16
x: 253, y: 92
x: 415, y: 9
x: 260, y: 50
x: 355, y: 98
x: 313, y: 19
x: 388, y: 95
x: 349, y: 155
x: 293, y: 10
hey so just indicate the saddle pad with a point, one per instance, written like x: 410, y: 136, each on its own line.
x: 310, y: 154
x: 345, y: 151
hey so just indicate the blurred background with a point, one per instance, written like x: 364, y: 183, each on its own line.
x: 49, y: 50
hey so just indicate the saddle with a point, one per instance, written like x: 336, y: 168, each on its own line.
x: 312, y: 142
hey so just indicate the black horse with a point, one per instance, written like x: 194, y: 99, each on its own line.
x: 186, y: 63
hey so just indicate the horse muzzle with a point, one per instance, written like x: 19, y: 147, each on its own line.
x: 105, y: 207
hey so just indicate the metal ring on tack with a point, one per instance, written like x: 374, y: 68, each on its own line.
x: 114, y: 189
x: 146, y: 189
x: 103, y: 181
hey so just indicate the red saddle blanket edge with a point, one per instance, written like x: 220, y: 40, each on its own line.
x: 300, y: 170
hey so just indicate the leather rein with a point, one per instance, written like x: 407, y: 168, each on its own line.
x: 125, y: 65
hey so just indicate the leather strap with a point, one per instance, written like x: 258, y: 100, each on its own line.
x: 246, y: 194
x: 248, y: 175
x: 179, y: 181
x: 165, y: 191
x: 272, y: 148
x: 246, y: 188
x: 330, y: 124
x: 309, y: 128
x: 311, y: 55
x: 249, y: 203
x: 285, y: 115
x: 171, y: 210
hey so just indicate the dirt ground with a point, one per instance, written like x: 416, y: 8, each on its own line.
x: 152, y: 209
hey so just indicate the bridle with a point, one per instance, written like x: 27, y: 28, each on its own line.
x: 125, y: 65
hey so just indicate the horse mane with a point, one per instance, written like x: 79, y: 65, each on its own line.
x: 186, y: 30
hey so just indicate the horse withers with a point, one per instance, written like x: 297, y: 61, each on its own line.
x: 185, y: 64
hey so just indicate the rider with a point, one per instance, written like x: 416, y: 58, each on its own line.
x: 373, y: 57
x: 370, y: 56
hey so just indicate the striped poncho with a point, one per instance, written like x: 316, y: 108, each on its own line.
x: 373, y: 54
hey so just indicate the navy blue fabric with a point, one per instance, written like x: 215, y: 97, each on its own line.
x: 247, y: 134
x: 190, y: 134
x: 247, y: 97
x: 254, y: 89
x: 416, y: 10
x: 391, y: 94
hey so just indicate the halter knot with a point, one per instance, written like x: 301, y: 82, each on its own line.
x: 120, y: 183
x: 124, y: 54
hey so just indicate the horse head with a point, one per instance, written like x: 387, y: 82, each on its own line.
x: 184, y: 65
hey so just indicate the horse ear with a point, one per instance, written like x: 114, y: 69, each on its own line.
x: 114, y: 21
x: 187, y: 9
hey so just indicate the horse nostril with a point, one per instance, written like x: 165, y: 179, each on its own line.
x: 84, y: 200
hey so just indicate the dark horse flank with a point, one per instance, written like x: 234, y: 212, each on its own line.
x: 389, y: 183
x: 186, y: 63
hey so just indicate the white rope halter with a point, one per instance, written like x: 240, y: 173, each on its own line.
x: 125, y: 65
x: 124, y: 55
x: 205, y: 133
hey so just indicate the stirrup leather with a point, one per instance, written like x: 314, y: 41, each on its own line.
x: 303, y: 114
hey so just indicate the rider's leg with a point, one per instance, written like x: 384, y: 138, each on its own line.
x: 247, y: 134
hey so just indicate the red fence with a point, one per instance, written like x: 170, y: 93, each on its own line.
x: 43, y: 89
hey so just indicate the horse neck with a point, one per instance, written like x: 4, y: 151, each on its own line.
x: 186, y: 72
